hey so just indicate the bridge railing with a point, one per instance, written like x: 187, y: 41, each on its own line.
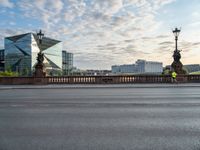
x: 16, y: 80
x: 117, y: 79
x: 105, y: 79
x: 193, y: 78
x: 100, y: 79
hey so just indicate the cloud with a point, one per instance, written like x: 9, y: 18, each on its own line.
x: 159, y: 3
x: 195, y: 24
x: 46, y: 11
x: 166, y: 43
x: 107, y: 7
x: 115, y: 31
x: 6, y: 3
x: 189, y: 46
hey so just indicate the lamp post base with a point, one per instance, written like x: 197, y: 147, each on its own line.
x: 39, y: 71
x: 178, y: 67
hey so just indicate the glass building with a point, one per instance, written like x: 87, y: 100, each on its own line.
x: 2, y: 62
x: 21, y: 54
x: 67, y: 63
x: 129, y: 68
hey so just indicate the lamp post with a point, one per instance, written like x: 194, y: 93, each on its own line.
x: 39, y: 67
x: 177, y: 66
x: 176, y: 55
x: 40, y: 35
x: 176, y: 33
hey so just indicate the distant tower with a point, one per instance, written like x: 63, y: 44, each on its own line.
x: 177, y: 66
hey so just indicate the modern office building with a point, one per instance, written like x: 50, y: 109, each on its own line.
x: 67, y: 63
x: 140, y: 67
x: 149, y: 67
x: 124, y: 69
x: 2, y: 62
x: 21, y: 54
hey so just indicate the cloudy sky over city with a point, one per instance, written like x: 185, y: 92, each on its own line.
x: 102, y: 33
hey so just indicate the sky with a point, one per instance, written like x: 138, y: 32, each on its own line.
x: 102, y: 33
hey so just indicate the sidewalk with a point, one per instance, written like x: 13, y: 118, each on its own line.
x: 74, y: 86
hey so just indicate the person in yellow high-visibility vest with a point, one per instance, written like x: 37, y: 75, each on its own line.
x: 174, y: 74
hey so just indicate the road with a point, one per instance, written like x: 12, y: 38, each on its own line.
x: 98, y: 118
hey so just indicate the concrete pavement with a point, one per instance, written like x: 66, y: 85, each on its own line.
x: 63, y: 86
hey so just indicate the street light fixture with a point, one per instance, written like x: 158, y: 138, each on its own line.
x: 40, y: 57
x: 176, y: 33
x: 40, y: 35
x: 39, y: 67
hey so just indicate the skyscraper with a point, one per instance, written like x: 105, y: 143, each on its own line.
x: 67, y: 63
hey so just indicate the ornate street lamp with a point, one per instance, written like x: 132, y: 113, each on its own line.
x: 40, y: 57
x: 39, y: 67
x: 177, y: 66
x: 176, y: 33
x: 177, y: 55
x: 40, y: 35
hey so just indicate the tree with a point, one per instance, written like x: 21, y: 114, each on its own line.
x: 9, y: 74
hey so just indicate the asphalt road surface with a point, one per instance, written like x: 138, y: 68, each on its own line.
x: 97, y: 118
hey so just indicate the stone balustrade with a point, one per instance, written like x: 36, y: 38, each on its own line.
x: 126, y: 79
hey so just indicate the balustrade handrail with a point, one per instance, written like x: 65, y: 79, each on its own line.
x: 112, y: 79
